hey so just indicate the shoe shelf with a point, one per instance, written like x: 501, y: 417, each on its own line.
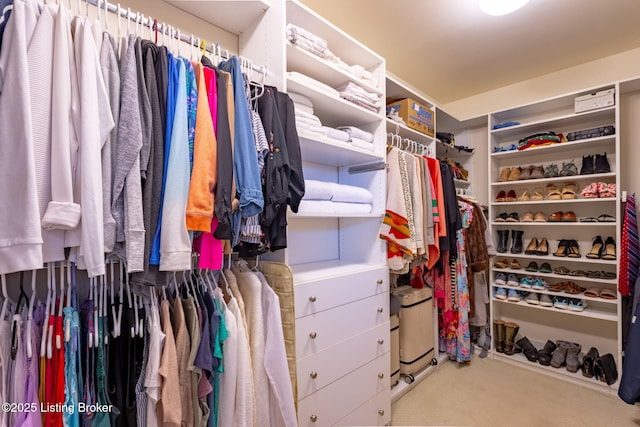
x: 589, y: 311
x: 557, y: 294
x: 582, y: 260
x: 565, y: 277
x: 557, y: 202
x: 562, y: 179
x: 519, y: 359
x: 591, y: 144
x: 573, y: 121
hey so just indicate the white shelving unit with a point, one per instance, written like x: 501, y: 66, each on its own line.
x: 599, y: 324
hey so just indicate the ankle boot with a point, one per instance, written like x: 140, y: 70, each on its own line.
x: 499, y: 334
x: 503, y: 240
x: 559, y: 356
x: 587, y: 165
x: 516, y: 244
x: 573, y: 362
x: 511, y: 330
x: 544, y: 355
x: 528, y: 349
x: 601, y: 164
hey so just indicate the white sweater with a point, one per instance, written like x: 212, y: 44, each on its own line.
x: 20, y: 233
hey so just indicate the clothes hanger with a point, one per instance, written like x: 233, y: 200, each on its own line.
x: 5, y: 298
x: 54, y: 296
x: 67, y: 325
x: 117, y: 316
x: 30, y: 314
x: 45, y: 326
x: 128, y: 21
x: 119, y: 22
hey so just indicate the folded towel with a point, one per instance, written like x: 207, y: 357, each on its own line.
x: 355, y: 99
x: 307, y: 40
x: 351, y: 208
x: 350, y: 193
x: 309, y: 132
x: 300, y: 99
x: 302, y: 108
x: 309, y: 121
x: 355, y: 132
x: 353, y: 88
x: 360, y: 143
x: 307, y: 116
x: 317, y: 190
x: 333, y: 133
x: 314, y: 84
x: 315, y: 206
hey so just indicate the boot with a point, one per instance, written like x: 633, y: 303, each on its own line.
x: 511, y: 330
x: 559, y: 356
x: 573, y: 362
x: 589, y: 362
x: 499, y: 334
x: 587, y: 165
x: 516, y: 244
x: 503, y: 240
x: 601, y: 164
x: 544, y: 355
x: 528, y: 349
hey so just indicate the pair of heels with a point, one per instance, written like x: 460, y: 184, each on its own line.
x: 536, y: 247
x: 568, y: 248
x: 603, y: 249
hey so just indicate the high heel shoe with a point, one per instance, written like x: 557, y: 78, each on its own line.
x: 543, y: 247
x: 532, y: 247
x: 609, y: 249
x: 563, y: 245
x: 596, y: 248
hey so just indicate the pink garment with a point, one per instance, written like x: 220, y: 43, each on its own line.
x: 210, y: 247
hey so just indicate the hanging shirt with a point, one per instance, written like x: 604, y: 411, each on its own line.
x: 169, y: 408
x: 229, y: 373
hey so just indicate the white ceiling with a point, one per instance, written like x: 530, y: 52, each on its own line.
x: 450, y: 50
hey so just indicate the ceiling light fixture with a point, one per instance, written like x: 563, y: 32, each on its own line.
x: 501, y: 7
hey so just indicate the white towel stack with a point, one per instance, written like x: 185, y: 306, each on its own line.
x: 357, y: 95
x: 329, y: 197
x: 358, y: 137
x: 306, y: 121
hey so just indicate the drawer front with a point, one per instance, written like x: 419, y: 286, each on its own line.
x: 318, y: 370
x: 322, y: 330
x: 312, y: 297
x: 376, y: 412
x: 342, y: 397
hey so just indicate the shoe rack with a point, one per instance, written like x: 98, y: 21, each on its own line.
x: 563, y: 211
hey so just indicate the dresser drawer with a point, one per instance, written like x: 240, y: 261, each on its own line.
x: 322, y: 330
x: 320, y: 369
x: 340, y: 398
x: 314, y: 296
x: 376, y: 412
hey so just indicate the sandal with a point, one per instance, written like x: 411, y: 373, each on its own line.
x: 545, y: 268
x: 573, y: 288
x: 573, y: 250
x: 515, y: 265
x: 563, y: 246
x: 578, y: 273
x: 563, y: 271
x: 537, y: 195
x: 590, y: 191
x: 596, y: 248
x: 524, y: 197
x: 607, y: 275
x: 606, y: 218
x: 607, y: 293
x: 557, y: 287
x: 592, y: 293
x: 594, y: 274
x: 609, y: 249
x: 588, y: 219
x: 569, y: 191
x: 553, y: 192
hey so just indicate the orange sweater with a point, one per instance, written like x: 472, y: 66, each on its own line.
x: 205, y: 162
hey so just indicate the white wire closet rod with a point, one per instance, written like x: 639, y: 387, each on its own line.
x: 165, y: 29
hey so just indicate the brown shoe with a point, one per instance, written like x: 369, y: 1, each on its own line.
x: 556, y: 217
x: 532, y: 247
x: 503, y: 263
x: 525, y: 173
x: 515, y: 265
x: 514, y: 174
x: 568, y: 217
x: 504, y: 174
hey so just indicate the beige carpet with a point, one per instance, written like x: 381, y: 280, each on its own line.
x: 490, y: 393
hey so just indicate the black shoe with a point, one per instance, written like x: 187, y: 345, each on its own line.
x: 528, y: 349
x: 605, y: 369
x: 589, y: 362
x: 503, y: 240
x: 544, y: 354
x: 602, y: 164
x: 516, y: 237
x: 588, y: 167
